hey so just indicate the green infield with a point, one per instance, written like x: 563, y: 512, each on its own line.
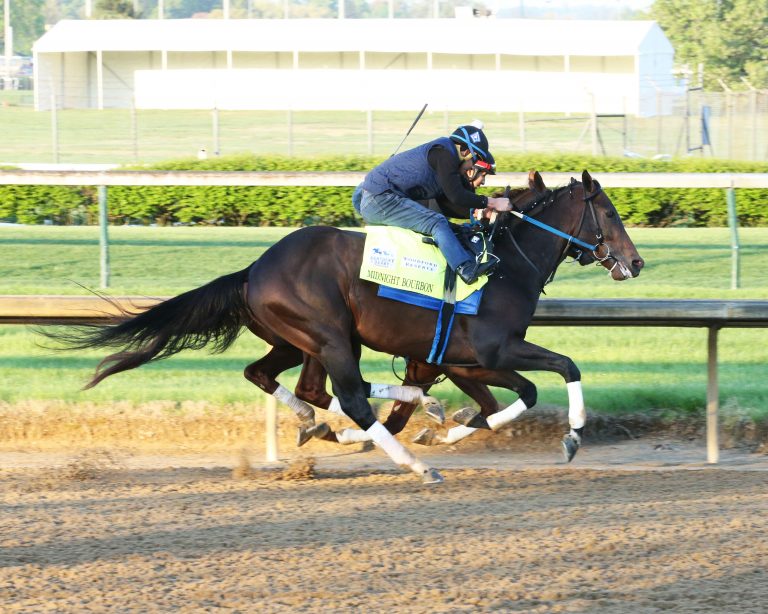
x: 624, y: 369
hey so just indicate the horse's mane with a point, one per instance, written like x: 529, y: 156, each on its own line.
x: 509, y: 194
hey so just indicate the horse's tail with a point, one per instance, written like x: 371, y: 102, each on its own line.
x: 215, y: 312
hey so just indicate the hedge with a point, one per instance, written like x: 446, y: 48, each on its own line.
x: 301, y: 206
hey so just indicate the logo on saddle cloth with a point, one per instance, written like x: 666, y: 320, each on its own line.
x: 398, y: 258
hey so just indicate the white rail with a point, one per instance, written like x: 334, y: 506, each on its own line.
x: 284, y: 178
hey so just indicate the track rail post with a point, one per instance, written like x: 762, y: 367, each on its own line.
x: 713, y: 441
x: 103, y: 238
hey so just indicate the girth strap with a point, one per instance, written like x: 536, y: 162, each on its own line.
x: 447, y: 312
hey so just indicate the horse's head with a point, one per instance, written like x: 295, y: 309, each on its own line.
x: 601, y: 226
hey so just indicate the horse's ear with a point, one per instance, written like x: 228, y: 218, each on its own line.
x: 535, y: 182
x: 586, y: 179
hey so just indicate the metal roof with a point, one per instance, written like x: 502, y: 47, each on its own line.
x: 531, y: 37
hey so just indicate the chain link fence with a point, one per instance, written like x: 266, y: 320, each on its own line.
x: 729, y: 125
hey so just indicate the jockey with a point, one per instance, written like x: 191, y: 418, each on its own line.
x: 473, y: 174
x: 433, y: 170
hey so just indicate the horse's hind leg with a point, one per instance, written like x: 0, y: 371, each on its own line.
x: 311, y: 388
x: 263, y: 374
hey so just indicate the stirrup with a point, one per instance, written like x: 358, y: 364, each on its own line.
x: 470, y: 271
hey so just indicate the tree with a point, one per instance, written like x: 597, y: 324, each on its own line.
x: 114, y: 9
x: 27, y: 23
x: 744, y: 48
x: 726, y: 36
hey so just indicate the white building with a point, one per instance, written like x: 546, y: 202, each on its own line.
x: 359, y: 64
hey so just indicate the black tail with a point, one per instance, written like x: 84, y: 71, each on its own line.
x: 215, y: 312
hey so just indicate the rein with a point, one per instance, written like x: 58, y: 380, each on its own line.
x: 564, y: 235
x: 549, y: 198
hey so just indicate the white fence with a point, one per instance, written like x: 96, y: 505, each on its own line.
x: 284, y: 178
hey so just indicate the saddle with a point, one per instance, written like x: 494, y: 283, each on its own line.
x: 410, y: 268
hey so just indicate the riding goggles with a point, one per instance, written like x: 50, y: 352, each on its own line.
x: 485, y: 167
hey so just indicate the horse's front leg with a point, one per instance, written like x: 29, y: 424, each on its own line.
x: 522, y: 356
x: 347, y: 383
x: 526, y: 356
x: 474, y: 382
x: 311, y: 388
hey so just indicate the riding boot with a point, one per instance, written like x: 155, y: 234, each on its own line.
x: 471, y: 270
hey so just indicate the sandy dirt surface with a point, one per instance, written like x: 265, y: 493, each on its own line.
x: 635, y: 526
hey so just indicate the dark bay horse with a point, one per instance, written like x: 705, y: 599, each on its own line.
x: 418, y: 379
x: 304, y: 297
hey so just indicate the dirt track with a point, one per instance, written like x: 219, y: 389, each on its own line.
x: 638, y: 527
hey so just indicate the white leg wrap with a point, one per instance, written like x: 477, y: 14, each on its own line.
x: 394, y: 449
x: 348, y: 436
x: 335, y: 407
x: 456, y: 433
x: 407, y: 394
x: 506, y: 415
x: 577, y: 414
x: 303, y: 410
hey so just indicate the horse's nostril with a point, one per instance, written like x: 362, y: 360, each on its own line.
x: 639, y: 263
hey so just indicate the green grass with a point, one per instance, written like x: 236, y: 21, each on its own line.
x: 624, y: 369
x: 119, y: 136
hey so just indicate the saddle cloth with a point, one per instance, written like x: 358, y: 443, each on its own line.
x: 398, y: 258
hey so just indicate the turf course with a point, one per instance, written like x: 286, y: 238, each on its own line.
x: 624, y: 369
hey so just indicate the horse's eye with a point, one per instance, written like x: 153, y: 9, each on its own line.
x: 610, y: 213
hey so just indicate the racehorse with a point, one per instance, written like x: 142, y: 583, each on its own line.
x: 311, y: 388
x: 304, y: 297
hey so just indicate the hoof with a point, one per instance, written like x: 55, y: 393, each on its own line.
x: 306, y: 417
x: 472, y: 418
x: 433, y: 409
x: 432, y: 476
x: 571, y: 444
x: 425, y: 437
x: 303, y: 436
x: 307, y: 433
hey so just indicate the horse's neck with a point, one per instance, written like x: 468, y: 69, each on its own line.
x: 535, y: 254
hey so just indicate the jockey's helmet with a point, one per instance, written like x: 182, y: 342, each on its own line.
x: 472, y: 138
